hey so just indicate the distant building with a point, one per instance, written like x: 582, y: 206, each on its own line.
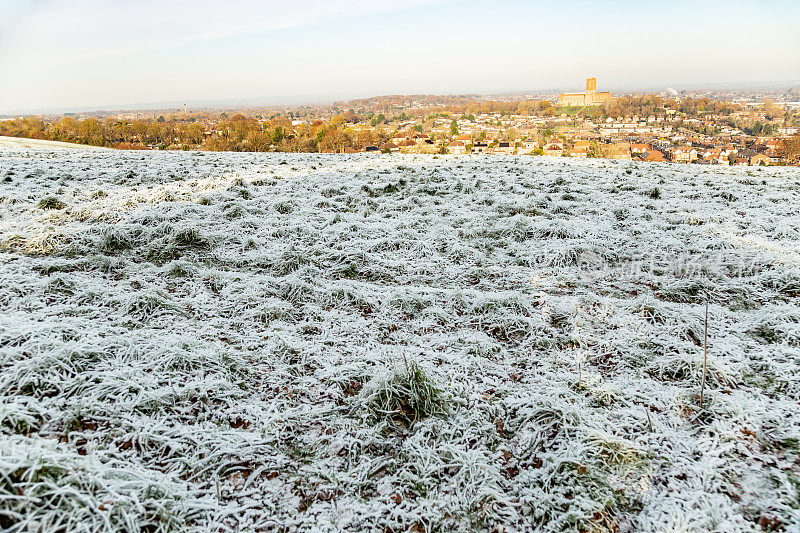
x: 457, y: 147
x: 589, y: 98
x: 759, y: 159
x: 504, y: 148
x: 682, y: 154
x: 480, y: 147
x: 654, y: 156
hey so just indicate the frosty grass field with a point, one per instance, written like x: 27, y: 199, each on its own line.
x: 207, y: 341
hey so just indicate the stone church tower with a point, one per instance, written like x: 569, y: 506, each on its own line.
x: 589, y: 98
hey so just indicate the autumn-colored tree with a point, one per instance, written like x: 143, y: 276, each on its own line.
x: 64, y: 129
x: 195, y: 133
x: 218, y: 143
x: 298, y: 144
x: 595, y: 150
x: 91, y: 131
x: 258, y: 142
x: 770, y: 109
x: 791, y: 147
x: 332, y: 139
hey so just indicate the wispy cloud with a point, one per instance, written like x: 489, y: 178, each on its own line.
x: 60, y: 31
x: 68, y: 53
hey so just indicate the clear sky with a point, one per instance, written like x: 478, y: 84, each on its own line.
x: 74, y: 53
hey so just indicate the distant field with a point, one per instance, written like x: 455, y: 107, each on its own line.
x: 212, y: 341
x: 19, y: 143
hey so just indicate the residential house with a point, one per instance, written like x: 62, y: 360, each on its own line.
x: 619, y: 150
x: 407, y: 145
x: 529, y: 145
x: 580, y: 149
x: 775, y: 156
x: 554, y: 148
x: 457, y: 147
x: 504, y: 147
x: 682, y: 154
x: 709, y: 156
x: 653, y: 156
x: 480, y: 148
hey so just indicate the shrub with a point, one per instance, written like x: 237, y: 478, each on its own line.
x: 115, y: 240
x: 51, y: 202
x: 404, y: 394
x: 283, y: 208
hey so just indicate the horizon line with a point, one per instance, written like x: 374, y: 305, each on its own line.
x: 338, y: 97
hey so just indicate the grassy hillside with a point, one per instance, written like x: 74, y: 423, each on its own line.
x: 210, y: 341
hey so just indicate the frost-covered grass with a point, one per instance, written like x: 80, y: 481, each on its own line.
x: 212, y: 341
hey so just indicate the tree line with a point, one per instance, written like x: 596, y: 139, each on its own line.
x: 335, y: 128
x: 237, y: 133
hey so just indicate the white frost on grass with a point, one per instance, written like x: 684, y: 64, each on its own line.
x: 213, y: 341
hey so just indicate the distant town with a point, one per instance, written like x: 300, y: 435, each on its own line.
x: 711, y: 128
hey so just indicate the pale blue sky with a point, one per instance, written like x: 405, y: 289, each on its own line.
x: 71, y: 53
